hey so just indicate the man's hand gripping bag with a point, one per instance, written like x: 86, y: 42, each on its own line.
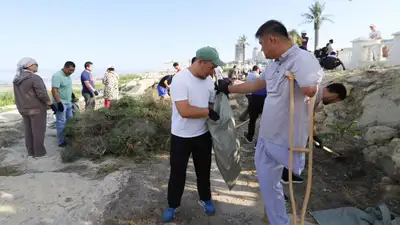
x: 225, y: 144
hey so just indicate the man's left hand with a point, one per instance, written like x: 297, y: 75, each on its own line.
x: 96, y: 93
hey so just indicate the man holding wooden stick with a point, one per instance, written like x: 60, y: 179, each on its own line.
x: 272, y: 151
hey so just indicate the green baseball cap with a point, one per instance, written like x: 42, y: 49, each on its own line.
x: 209, y: 54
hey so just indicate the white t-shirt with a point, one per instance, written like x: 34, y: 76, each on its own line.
x: 330, y: 49
x: 218, y: 71
x: 252, y: 76
x: 199, y: 93
x: 374, y: 34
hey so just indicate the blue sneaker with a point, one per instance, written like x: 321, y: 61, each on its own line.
x: 208, y: 207
x: 169, y: 214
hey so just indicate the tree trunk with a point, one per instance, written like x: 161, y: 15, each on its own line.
x: 244, y: 53
x: 316, y: 37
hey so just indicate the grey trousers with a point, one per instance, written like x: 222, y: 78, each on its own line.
x: 35, y: 129
x: 90, y: 102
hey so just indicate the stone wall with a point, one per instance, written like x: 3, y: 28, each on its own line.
x: 368, y: 121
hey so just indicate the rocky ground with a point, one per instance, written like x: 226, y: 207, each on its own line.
x: 123, y: 191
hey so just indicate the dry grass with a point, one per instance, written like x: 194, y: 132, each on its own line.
x: 132, y: 127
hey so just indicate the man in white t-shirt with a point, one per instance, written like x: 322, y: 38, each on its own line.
x: 375, y: 35
x: 192, y: 94
x: 218, y: 72
x: 329, y: 47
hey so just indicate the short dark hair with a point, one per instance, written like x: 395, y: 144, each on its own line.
x: 331, y: 41
x: 69, y: 64
x: 255, y: 68
x: 339, y: 89
x: 175, y: 64
x: 87, y: 64
x: 110, y: 69
x: 272, y: 27
x: 193, y: 59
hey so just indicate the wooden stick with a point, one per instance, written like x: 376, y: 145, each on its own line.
x: 309, y: 150
x: 291, y: 124
x: 241, y: 124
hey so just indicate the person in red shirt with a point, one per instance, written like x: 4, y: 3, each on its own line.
x: 176, y: 66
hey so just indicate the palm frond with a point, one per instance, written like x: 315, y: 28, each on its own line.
x: 243, y: 40
x: 326, y: 19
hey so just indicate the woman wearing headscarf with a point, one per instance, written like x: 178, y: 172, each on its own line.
x: 110, y: 81
x: 32, y: 100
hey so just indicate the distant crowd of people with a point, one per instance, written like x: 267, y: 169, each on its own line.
x: 32, y: 99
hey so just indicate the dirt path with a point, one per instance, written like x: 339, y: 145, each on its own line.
x: 44, y: 191
x: 143, y: 200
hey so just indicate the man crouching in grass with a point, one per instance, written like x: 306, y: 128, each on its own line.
x: 163, y: 87
x: 192, y: 94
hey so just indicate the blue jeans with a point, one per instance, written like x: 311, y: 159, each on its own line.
x: 61, y: 120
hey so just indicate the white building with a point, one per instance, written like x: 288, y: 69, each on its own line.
x: 255, y: 54
x: 239, y: 52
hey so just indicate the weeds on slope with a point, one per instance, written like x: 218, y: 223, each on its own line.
x: 132, y: 127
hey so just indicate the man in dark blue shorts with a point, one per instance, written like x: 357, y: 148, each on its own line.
x: 163, y: 86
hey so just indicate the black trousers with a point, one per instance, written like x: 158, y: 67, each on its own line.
x: 245, y: 113
x: 181, y: 148
x: 256, y: 105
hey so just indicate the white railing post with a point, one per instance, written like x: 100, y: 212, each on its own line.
x: 394, y: 50
x: 359, y: 54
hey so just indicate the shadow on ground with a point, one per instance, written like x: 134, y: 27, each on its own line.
x: 143, y: 199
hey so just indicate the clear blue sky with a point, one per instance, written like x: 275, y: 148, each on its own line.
x: 140, y: 35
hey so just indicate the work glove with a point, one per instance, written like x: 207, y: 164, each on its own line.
x: 213, y: 115
x: 91, y: 94
x: 73, y: 96
x: 60, y: 107
x: 222, y: 86
x: 319, y: 141
x: 96, y: 93
x: 53, y: 107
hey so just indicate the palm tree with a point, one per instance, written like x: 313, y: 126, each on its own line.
x: 243, y: 41
x: 315, y: 16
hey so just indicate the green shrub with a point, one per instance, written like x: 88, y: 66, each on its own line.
x: 6, y: 98
x: 132, y: 127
